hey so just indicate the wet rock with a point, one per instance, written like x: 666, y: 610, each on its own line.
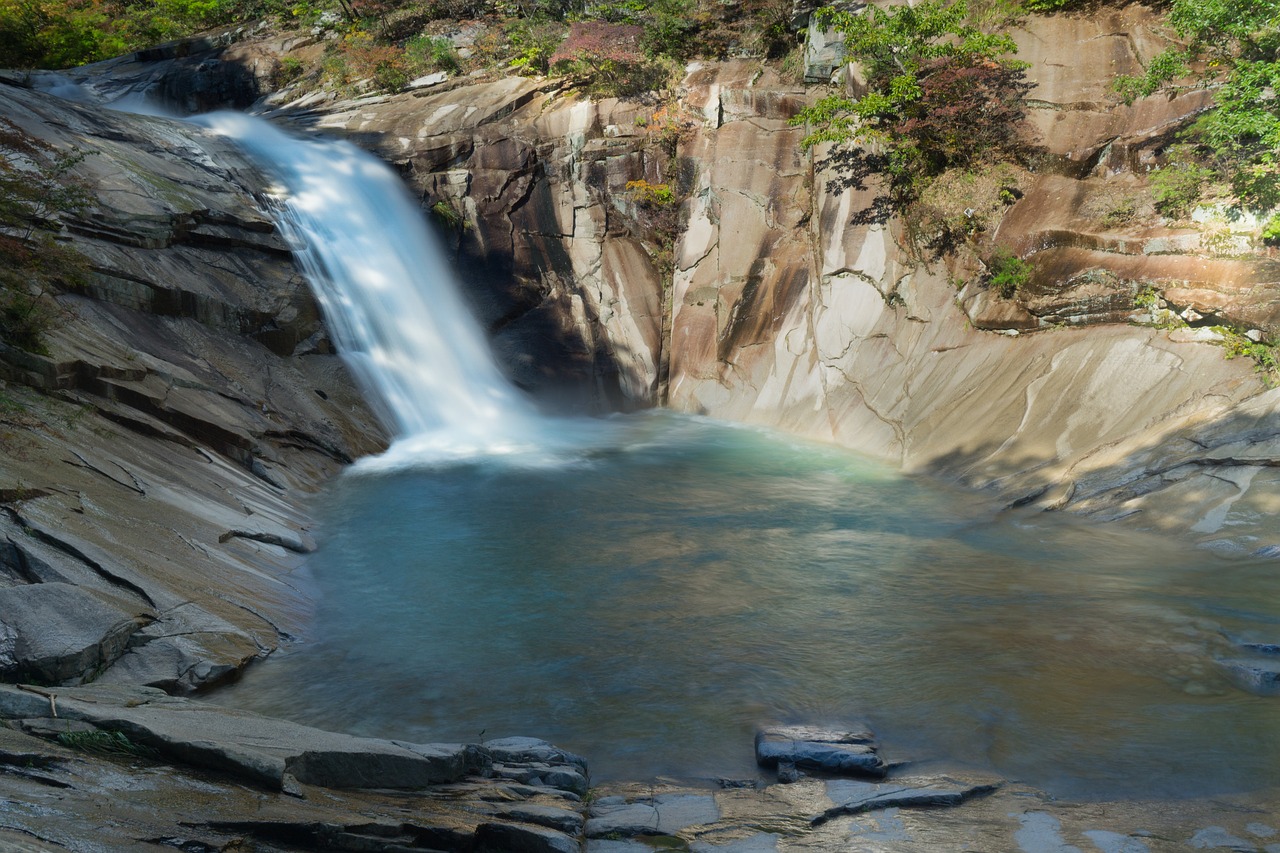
x: 55, y: 632
x: 551, y: 817
x: 853, y: 797
x: 665, y: 814
x: 260, y: 749
x: 565, y: 777
x: 1258, y: 676
x: 515, y: 838
x: 528, y: 750
x: 787, y: 772
x: 827, y: 750
x: 762, y: 842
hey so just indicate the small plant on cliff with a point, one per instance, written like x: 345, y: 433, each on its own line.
x: 105, y: 742
x: 36, y: 189
x: 1007, y: 273
x: 651, y: 195
x: 1179, y: 183
x: 1266, y: 357
x: 1147, y: 297
x: 448, y: 215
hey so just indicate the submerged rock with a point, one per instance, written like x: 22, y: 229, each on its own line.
x: 853, y: 797
x: 827, y: 750
x: 1253, y: 675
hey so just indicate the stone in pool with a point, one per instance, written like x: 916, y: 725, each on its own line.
x: 838, y: 751
x: 1259, y: 677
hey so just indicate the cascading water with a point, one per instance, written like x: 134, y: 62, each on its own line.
x: 388, y: 295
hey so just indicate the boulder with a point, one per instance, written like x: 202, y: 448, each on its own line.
x: 812, y: 748
x: 1260, y: 676
x: 518, y: 838
x: 53, y: 633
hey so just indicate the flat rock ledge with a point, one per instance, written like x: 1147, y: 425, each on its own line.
x: 277, y: 754
x: 107, y: 768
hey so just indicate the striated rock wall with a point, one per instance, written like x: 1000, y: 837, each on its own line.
x: 795, y: 306
x: 156, y: 461
x: 791, y: 302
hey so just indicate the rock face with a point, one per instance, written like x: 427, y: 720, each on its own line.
x: 817, y: 322
x: 531, y: 189
x: 156, y: 457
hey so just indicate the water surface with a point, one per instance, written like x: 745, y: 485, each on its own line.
x: 649, y: 601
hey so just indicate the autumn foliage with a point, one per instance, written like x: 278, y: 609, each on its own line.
x: 607, y: 59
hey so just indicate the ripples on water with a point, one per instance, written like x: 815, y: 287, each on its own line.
x: 647, y: 603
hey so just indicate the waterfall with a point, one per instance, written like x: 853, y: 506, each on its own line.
x: 388, y: 295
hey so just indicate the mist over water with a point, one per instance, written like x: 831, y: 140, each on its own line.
x: 648, y: 589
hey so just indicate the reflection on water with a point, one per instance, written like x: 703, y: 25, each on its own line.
x: 649, y: 606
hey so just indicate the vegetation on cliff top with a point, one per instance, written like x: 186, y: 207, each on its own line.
x: 1233, y: 46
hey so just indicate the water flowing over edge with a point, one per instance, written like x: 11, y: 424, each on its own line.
x: 391, y: 301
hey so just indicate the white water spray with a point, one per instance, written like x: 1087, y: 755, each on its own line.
x: 388, y: 295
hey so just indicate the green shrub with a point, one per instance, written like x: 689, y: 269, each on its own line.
x: 425, y: 53
x: 532, y: 44
x: 1271, y: 230
x: 1007, y: 273
x: 1050, y: 5
x: 1236, y: 43
x: 287, y: 70
x: 1266, y: 357
x: 64, y: 33
x: 1179, y: 183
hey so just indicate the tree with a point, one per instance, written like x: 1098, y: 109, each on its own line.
x: 943, y: 92
x: 1235, y: 44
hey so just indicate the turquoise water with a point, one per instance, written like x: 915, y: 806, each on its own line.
x: 650, y: 601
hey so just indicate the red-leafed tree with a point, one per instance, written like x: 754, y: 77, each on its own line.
x: 607, y: 59
x: 969, y: 109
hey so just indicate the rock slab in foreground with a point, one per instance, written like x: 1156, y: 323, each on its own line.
x: 828, y: 750
x: 853, y: 797
x: 665, y: 814
x: 269, y: 752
